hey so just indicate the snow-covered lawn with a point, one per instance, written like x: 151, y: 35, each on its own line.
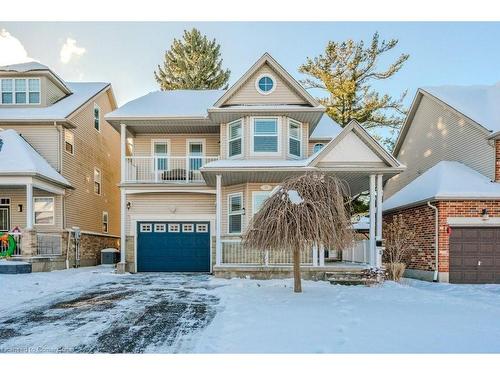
x: 92, y: 310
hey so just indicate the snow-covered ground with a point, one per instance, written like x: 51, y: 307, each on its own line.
x: 198, y: 313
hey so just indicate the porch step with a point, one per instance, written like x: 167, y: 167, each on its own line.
x: 14, y: 267
x: 361, y: 277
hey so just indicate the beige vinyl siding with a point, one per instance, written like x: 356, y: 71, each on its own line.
x: 18, y: 196
x: 50, y: 92
x: 310, y: 146
x: 247, y: 123
x: 248, y: 94
x: 93, y: 149
x: 158, y: 204
x: 439, y: 133
x: 178, y: 143
x: 43, y: 138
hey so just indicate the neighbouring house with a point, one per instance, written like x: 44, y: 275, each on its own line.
x: 197, y: 164
x: 450, y: 192
x: 59, y: 167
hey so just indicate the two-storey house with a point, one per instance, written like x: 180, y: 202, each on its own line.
x: 450, y: 192
x: 59, y: 168
x: 197, y: 164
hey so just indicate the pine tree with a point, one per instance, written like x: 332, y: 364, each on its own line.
x: 346, y: 71
x: 192, y: 63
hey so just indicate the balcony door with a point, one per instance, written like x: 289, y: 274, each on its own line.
x: 196, y: 152
x: 160, y: 150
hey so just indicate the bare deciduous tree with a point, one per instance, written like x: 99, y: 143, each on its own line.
x: 311, y: 209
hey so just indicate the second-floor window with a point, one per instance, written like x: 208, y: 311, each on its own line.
x: 97, y: 117
x: 235, y: 213
x: 69, y: 142
x: 235, y: 139
x: 317, y: 147
x: 97, y: 181
x: 20, y: 91
x: 265, y: 135
x: 294, y: 138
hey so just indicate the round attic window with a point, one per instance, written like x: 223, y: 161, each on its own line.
x: 265, y: 84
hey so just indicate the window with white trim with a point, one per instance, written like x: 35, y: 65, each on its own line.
x: 160, y: 228
x: 258, y: 199
x: 265, y: 135
x: 97, y: 181
x: 317, y: 147
x: 235, y: 212
x: 20, y: 91
x: 235, y: 139
x: 294, y: 138
x: 105, y: 222
x: 188, y: 228
x: 43, y: 208
x: 97, y: 117
x: 160, y: 152
x: 69, y: 142
x: 146, y: 228
x: 202, y: 228
x: 174, y: 228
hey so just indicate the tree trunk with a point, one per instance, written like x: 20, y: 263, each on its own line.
x: 297, y: 285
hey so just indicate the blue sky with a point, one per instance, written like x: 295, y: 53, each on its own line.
x: 126, y: 53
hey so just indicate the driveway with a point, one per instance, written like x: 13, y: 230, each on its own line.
x: 133, y: 314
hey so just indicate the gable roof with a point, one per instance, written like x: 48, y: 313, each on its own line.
x: 445, y: 180
x: 172, y: 103
x: 17, y: 157
x: 325, y: 129
x: 268, y: 59
x: 477, y: 102
x: 34, y: 66
x: 365, y: 137
x: 82, y: 92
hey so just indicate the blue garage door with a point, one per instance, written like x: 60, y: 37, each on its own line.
x: 173, y: 246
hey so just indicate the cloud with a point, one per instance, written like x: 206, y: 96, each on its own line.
x: 12, y: 50
x: 70, y: 49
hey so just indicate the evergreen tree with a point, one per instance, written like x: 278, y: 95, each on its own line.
x: 347, y: 70
x: 192, y: 63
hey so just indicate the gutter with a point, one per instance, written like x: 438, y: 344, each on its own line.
x: 436, y: 241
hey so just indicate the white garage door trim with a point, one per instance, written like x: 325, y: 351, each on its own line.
x: 473, y: 221
x: 170, y: 217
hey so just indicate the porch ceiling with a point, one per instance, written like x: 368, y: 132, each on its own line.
x: 171, y: 125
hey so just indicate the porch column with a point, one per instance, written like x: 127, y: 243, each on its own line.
x: 29, y: 206
x: 123, y: 151
x: 315, y: 255
x: 380, y: 195
x: 218, y: 220
x: 373, y: 257
x: 321, y: 256
x: 123, y: 234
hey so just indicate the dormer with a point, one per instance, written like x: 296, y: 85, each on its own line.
x: 30, y: 84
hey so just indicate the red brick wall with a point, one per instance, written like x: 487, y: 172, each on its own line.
x: 459, y: 209
x: 422, y: 220
x: 497, y: 160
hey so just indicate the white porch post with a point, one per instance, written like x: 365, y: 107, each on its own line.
x: 373, y: 257
x: 315, y: 255
x: 321, y: 256
x: 29, y: 206
x: 380, y: 195
x: 218, y: 220
x: 123, y: 198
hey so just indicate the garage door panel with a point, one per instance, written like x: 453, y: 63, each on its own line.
x: 174, y: 247
x: 475, y: 255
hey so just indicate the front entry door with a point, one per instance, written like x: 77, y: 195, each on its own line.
x: 4, y: 218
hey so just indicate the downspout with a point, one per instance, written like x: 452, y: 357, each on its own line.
x: 436, y: 240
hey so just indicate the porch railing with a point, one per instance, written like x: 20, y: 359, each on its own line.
x: 48, y: 244
x: 233, y: 253
x: 17, y: 239
x: 165, y: 169
x: 359, y: 253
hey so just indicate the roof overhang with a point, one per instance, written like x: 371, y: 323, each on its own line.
x: 38, y: 181
x: 174, y: 125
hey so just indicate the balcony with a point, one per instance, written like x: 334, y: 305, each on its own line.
x: 165, y: 169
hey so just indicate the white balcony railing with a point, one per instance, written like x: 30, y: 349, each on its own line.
x: 165, y: 169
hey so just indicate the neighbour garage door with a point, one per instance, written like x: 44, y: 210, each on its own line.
x: 475, y: 255
x: 173, y: 246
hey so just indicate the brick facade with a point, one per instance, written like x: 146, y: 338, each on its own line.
x: 421, y: 218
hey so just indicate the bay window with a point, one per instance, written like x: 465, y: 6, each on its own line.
x: 258, y: 199
x: 265, y: 135
x: 235, y: 139
x: 294, y: 138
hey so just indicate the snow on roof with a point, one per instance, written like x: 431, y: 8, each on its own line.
x: 479, y: 102
x: 24, y: 67
x: 326, y: 129
x: 18, y: 157
x: 82, y: 92
x: 445, y: 180
x: 174, y: 103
